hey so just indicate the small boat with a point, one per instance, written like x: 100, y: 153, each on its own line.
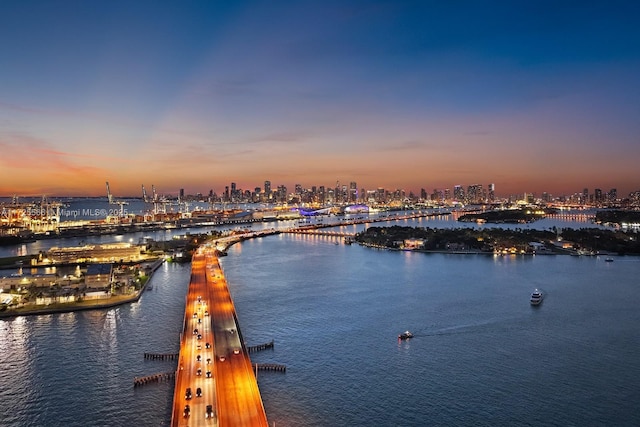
x: 536, y: 297
x: 608, y: 260
x: 405, y: 335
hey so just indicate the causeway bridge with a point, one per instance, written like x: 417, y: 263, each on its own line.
x: 215, y: 382
x: 316, y: 232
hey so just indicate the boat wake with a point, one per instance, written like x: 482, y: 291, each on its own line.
x: 471, y: 328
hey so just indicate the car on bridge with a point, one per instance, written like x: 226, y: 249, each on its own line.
x: 209, y: 412
x: 187, y: 411
x: 187, y: 393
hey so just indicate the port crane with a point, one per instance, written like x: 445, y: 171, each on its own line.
x: 183, y: 206
x: 159, y: 203
x: 113, y: 201
x: 144, y: 195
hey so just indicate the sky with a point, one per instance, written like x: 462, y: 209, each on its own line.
x: 533, y: 96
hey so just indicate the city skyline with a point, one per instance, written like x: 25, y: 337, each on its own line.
x: 535, y: 98
x: 351, y: 192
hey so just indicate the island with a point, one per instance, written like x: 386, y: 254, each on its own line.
x: 567, y: 241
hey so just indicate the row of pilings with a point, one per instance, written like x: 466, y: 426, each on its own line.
x: 161, y: 356
x: 269, y: 367
x: 260, y: 347
x: 155, y: 378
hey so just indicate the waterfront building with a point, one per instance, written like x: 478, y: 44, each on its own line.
x: 99, y: 276
x: 114, y: 252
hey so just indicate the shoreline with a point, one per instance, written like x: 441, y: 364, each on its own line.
x: 557, y: 252
x: 111, y: 302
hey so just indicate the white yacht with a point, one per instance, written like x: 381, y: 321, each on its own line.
x: 536, y: 297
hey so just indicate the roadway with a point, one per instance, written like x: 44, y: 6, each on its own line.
x: 226, y: 378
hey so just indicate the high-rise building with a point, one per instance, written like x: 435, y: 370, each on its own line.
x: 458, y: 193
x: 492, y: 193
x: 597, y: 195
x: 475, y: 194
x: 281, y: 194
x: 235, y: 194
x: 353, y: 192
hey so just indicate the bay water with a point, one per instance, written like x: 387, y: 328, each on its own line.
x: 481, y: 355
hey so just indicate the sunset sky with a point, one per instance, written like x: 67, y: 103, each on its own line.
x: 530, y: 95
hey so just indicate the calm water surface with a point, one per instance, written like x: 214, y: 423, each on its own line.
x: 481, y: 354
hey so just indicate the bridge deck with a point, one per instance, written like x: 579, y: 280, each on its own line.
x: 213, y: 356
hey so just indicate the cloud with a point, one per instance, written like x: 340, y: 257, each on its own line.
x: 413, y: 145
x: 32, y: 110
x: 286, y: 137
x: 33, y: 155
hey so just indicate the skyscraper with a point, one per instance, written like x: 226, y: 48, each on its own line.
x: 458, y: 193
x: 353, y: 192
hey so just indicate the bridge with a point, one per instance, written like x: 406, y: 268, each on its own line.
x: 215, y: 382
x: 315, y: 232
